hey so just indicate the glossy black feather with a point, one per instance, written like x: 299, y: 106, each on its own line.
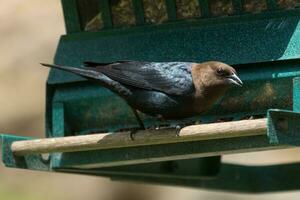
x: 173, y: 78
x: 173, y: 90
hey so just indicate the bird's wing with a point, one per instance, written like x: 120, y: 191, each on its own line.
x: 173, y: 78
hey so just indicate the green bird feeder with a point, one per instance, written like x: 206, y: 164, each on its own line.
x: 261, y: 39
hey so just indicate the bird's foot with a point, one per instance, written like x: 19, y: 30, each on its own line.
x: 140, y: 122
x: 132, y: 133
x: 178, y: 128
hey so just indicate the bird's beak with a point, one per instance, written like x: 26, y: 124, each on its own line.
x: 234, y: 79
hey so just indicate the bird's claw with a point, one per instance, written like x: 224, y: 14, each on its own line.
x: 177, y: 127
x: 132, y: 133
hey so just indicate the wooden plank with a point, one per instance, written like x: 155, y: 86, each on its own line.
x: 141, y: 138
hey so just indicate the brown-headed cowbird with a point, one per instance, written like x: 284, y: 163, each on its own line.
x: 169, y: 90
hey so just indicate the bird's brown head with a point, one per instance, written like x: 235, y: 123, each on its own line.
x: 211, y: 80
x: 215, y: 74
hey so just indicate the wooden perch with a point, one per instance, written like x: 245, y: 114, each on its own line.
x: 143, y: 137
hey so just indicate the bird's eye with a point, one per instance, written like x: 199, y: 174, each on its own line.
x: 220, y: 72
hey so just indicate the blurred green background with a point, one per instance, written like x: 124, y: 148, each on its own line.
x: 29, y: 33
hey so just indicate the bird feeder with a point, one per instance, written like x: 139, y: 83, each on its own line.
x: 87, y: 125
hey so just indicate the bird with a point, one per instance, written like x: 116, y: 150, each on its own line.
x: 166, y: 90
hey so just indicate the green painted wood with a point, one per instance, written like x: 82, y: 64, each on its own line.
x: 283, y: 127
x: 234, y: 178
x: 296, y: 94
x: 76, y: 16
x: 192, y: 173
x: 88, y: 10
x: 71, y: 15
x: 247, y: 41
x: 105, y: 10
x: 188, y: 173
x: 205, y: 8
x: 157, y: 153
x: 58, y: 119
x: 138, y: 11
x: 208, y: 167
x: 238, y: 6
x: 238, y: 178
x: 171, y: 9
x: 185, y: 169
x: 272, y: 4
x: 32, y: 162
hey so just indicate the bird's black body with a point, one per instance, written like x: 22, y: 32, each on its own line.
x: 162, y: 105
x: 157, y: 89
x: 166, y: 89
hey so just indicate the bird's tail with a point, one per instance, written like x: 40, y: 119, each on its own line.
x: 87, y: 73
x: 90, y: 73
